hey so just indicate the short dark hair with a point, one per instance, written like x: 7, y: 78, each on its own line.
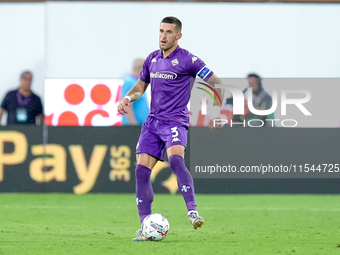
x: 173, y: 20
x: 256, y: 76
x: 26, y: 72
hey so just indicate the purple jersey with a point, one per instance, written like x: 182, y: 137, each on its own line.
x: 171, y: 81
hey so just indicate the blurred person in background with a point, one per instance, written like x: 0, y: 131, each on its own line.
x: 261, y: 100
x: 22, y: 105
x: 139, y: 111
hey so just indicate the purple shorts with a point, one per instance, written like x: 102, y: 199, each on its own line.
x: 158, y: 135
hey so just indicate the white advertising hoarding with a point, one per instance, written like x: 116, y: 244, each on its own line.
x: 82, y: 102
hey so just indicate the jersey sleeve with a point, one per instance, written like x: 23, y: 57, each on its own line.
x: 196, y: 66
x: 145, y: 74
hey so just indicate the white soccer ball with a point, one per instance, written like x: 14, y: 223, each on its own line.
x: 155, y: 227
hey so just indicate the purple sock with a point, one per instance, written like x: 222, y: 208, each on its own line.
x: 184, y: 181
x: 144, y: 192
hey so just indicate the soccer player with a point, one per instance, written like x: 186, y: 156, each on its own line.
x: 171, y: 72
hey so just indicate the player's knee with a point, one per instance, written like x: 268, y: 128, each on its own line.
x: 146, y: 160
x: 176, y: 162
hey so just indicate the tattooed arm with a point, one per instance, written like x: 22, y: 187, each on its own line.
x: 214, y: 122
x: 133, y: 94
x: 215, y: 80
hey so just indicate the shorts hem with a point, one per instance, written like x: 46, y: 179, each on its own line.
x: 139, y: 152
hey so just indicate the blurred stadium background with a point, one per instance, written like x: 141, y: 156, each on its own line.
x: 89, y: 46
x: 86, y: 48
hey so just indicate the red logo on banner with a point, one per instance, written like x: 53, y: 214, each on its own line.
x: 82, y: 102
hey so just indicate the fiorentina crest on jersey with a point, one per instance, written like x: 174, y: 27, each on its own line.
x: 174, y: 62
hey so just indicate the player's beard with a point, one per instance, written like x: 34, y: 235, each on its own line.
x: 167, y: 46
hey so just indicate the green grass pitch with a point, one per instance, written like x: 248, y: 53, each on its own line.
x: 106, y: 223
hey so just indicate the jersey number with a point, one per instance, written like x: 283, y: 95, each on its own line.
x: 175, y: 138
